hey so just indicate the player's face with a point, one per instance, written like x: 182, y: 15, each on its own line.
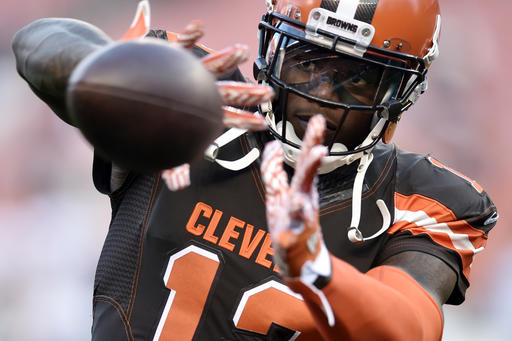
x: 333, y: 78
x: 353, y: 130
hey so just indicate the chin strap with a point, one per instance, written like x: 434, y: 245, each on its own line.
x: 213, y: 150
x: 354, y: 234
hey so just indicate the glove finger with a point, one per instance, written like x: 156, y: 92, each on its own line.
x: 307, y: 170
x: 191, y: 34
x: 275, y: 180
x: 227, y: 59
x: 242, y: 119
x: 303, y: 189
x: 177, y: 178
x: 244, y: 94
x: 310, y: 157
x: 314, y: 135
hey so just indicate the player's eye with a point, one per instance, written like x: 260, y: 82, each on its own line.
x: 358, y: 80
x: 305, y: 66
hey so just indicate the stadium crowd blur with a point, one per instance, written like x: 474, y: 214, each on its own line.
x: 52, y: 221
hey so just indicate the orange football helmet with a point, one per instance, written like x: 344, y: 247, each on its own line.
x: 351, y: 60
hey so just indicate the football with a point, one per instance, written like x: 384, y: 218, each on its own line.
x: 145, y: 105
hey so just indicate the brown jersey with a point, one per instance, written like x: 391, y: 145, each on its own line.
x: 197, y: 264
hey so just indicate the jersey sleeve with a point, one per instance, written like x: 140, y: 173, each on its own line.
x: 439, y: 211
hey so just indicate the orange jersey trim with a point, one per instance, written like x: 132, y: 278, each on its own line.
x: 422, y: 215
x: 471, y: 181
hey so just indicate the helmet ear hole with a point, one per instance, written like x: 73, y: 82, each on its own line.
x: 390, y: 131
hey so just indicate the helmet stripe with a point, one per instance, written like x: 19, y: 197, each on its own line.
x: 362, y: 10
x: 331, y: 5
x: 366, y: 10
x: 347, y: 8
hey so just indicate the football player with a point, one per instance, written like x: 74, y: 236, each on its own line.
x: 366, y: 242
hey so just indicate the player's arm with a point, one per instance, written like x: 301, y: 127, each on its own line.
x: 399, y: 300
x: 47, y: 50
x: 431, y: 273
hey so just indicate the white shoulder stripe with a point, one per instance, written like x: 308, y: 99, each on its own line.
x: 459, y: 240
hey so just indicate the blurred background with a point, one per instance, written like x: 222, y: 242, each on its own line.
x: 52, y: 221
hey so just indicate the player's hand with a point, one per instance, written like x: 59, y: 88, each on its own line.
x: 292, y: 210
x: 238, y: 94
x: 233, y: 94
x: 292, y: 215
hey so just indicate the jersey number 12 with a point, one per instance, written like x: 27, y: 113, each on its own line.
x: 259, y: 307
